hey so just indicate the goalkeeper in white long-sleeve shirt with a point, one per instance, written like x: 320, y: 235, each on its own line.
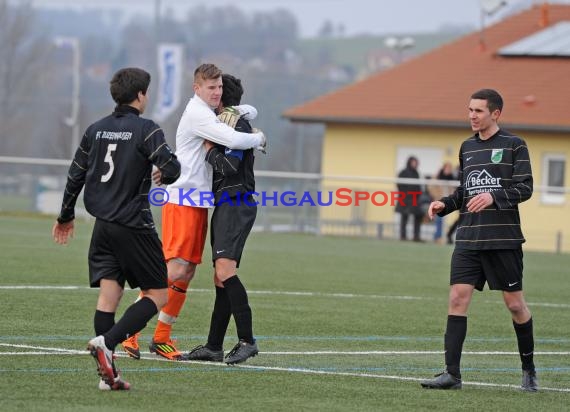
x: 185, y: 216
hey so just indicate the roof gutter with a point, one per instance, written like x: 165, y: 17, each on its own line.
x: 420, y: 123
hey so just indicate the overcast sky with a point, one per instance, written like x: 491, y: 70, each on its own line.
x: 373, y: 16
x: 357, y: 16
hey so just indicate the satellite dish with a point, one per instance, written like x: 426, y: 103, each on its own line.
x: 490, y: 7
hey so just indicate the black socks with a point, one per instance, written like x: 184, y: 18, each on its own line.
x: 103, y: 321
x: 525, y: 340
x: 220, y: 320
x: 237, y: 296
x: 454, y: 337
x: 134, y: 320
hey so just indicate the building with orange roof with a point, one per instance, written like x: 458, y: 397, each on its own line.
x: 420, y: 108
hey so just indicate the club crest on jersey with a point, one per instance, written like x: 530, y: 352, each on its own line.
x: 496, y: 155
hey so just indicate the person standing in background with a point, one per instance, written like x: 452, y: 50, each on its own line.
x: 408, y: 208
x: 437, y: 191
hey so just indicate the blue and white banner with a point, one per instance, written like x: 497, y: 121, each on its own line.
x: 170, y: 69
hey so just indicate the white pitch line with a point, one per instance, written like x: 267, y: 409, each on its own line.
x: 404, y: 352
x: 42, y: 348
x: 338, y: 295
x: 292, y: 293
x: 388, y: 377
x: 54, y: 351
x: 379, y: 352
x: 74, y: 353
x: 28, y: 287
x: 351, y: 374
x: 252, y: 292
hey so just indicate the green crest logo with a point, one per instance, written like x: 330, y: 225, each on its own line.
x: 497, y: 155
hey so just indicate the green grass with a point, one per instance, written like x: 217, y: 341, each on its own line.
x: 11, y: 202
x: 307, y: 294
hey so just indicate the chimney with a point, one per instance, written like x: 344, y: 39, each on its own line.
x: 543, y: 22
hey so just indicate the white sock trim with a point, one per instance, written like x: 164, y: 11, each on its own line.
x: 166, y: 318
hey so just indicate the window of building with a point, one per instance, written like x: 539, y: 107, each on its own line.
x: 553, y: 171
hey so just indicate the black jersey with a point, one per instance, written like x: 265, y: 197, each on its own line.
x: 114, y: 162
x: 233, y: 169
x: 499, y: 165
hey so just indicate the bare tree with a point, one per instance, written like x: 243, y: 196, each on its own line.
x: 23, y: 58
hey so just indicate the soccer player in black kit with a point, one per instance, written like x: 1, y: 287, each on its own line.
x: 232, y: 220
x: 495, y: 176
x: 114, y: 162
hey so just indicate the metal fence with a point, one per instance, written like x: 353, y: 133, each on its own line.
x: 289, y: 202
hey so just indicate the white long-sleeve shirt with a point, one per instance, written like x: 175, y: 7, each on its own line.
x: 199, y: 122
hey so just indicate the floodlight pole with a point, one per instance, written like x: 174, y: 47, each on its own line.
x: 75, y: 96
x: 482, y: 32
x: 156, y: 42
x: 488, y: 8
x: 157, y: 18
x: 73, y: 120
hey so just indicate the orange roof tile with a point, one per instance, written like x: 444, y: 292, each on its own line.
x: 434, y: 89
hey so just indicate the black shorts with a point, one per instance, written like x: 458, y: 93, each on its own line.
x: 502, y: 269
x: 230, y: 227
x: 124, y: 254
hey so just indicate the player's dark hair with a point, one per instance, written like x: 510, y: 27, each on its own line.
x: 127, y: 83
x: 494, y: 99
x: 206, y: 71
x: 232, y: 90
